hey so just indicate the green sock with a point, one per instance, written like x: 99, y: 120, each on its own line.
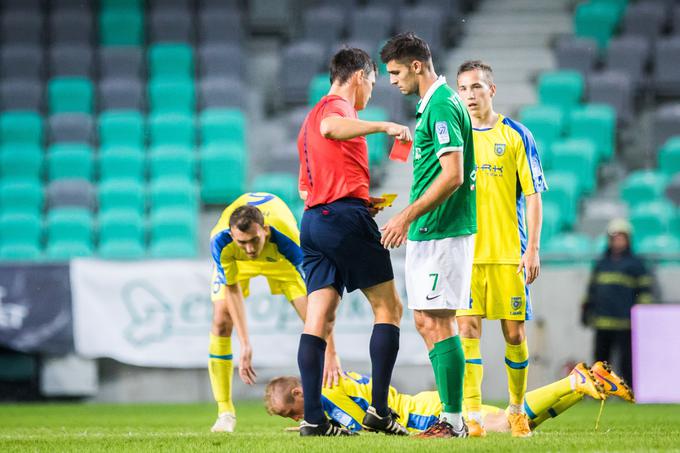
x: 449, y: 371
x: 434, y: 361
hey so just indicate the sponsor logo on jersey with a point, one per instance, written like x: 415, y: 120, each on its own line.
x: 499, y: 149
x: 418, y: 154
x: 491, y: 170
x: 442, y: 130
x: 432, y: 297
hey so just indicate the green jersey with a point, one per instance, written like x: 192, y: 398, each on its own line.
x: 443, y: 126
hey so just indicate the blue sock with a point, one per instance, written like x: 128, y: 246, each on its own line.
x: 383, y: 349
x: 310, y: 361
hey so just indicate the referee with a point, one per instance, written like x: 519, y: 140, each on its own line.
x: 341, y: 241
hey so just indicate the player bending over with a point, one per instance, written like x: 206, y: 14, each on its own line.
x: 346, y: 403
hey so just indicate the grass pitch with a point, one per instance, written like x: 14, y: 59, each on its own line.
x: 160, y: 427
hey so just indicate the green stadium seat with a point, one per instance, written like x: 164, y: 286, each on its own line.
x: 173, y: 193
x: 596, y: 20
x: 620, y: 5
x: 562, y: 89
x: 121, y: 27
x: 568, y: 248
x: 223, y: 173
x: 223, y: 125
x: 173, y: 233
x: 121, y: 235
x: 21, y: 128
x: 171, y: 60
x: 546, y: 123
x: 564, y: 192
x: 69, y: 233
x: 122, y: 195
x: 172, y: 162
x: 20, y: 235
x: 17, y: 366
x: 283, y: 185
x: 121, y: 128
x: 318, y: 88
x: 669, y: 157
x: 600, y: 244
x: 175, y: 129
x: 70, y: 94
x: 20, y: 161
x: 121, y: 5
x: 70, y: 160
x: 21, y: 197
x: 552, y: 220
x: 578, y: 156
x: 662, y: 247
x: 376, y: 143
x: 122, y: 163
x: 652, y: 218
x: 643, y: 186
x: 596, y: 122
x: 172, y: 95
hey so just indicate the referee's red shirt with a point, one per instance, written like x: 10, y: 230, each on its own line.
x: 331, y: 169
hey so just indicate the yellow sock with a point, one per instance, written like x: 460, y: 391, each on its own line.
x: 221, y: 370
x: 543, y: 398
x: 556, y: 409
x: 517, y: 368
x: 474, y: 372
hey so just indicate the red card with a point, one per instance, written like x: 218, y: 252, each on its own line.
x: 400, y: 150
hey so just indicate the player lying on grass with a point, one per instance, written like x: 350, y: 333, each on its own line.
x: 346, y: 403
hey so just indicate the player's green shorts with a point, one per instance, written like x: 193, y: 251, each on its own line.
x: 498, y: 291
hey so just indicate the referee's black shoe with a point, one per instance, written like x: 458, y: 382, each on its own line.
x: 329, y: 428
x: 386, y: 424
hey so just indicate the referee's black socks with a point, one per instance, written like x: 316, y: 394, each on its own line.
x: 383, y: 350
x: 310, y: 361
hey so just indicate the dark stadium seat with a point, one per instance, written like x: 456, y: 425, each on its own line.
x: 673, y: 190
x: 675, y: 21
x: 666, y: 124
x: 579, y: 54
x: 57, y: 6
x: 325, y: 24
x: 220, y: 60
x: 630, y: 55
x: 615, y: 89
x: 645, y: 19
x: 295, y: 78
x: 27, y: 6
x: 124, y: 61
x: 180, y: 6
x: 666, y: 67
x: 21, y: 61
x: 426, y: 22
x: 221, y: 92
x: 220, y: 26
x: 371, y: 23
x: 21, y: 28
x: 386, y: 96
x: 71, y: 60
x: 71, y: 192
x: 171, y: 25
x: 21, y: 94
x: 71, y: 27
x: 71, y: 127
x: 121, y: 93
x: 219, y: 5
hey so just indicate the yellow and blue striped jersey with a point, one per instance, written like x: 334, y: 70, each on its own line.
x: 508, y: 169
x: 281, y: 257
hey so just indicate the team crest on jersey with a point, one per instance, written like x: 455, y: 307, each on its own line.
x: 442, y: 132
x: 516, y: 302
x: 499, y: 149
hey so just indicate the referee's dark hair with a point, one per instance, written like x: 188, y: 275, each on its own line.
x: 244, y: 216
x: 404, y: 48
x: 472, y: 65
x: 349, y: 60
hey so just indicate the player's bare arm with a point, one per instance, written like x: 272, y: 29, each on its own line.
x: 449, y: 180
x: 342, y: 128
x: 530, y: 261
x: 234, y: 300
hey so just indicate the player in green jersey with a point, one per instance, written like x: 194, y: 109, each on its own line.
x: 439, y: 224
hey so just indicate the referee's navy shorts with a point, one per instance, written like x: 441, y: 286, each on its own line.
x: 341, y: 246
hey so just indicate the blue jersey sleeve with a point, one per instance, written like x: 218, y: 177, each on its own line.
x: 217, y: 244
x: 288, y: 248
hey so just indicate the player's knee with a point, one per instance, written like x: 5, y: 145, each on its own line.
x: 469, y: 330
x: 515, y: 338
x: 222, y: 325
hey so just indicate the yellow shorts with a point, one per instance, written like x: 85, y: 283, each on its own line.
x: 290, y: 284
x: 498, y: 292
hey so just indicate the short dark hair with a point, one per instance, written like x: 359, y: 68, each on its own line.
x: 404, y: 48
x: 472, y: 65
x: 244, y: 216
x: 349, y: 60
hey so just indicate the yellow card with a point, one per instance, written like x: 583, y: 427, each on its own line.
x: 389, y: 199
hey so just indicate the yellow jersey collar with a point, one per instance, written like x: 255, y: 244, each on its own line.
x: 441, y: 80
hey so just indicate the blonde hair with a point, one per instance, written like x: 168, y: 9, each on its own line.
x: 281, y: 386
